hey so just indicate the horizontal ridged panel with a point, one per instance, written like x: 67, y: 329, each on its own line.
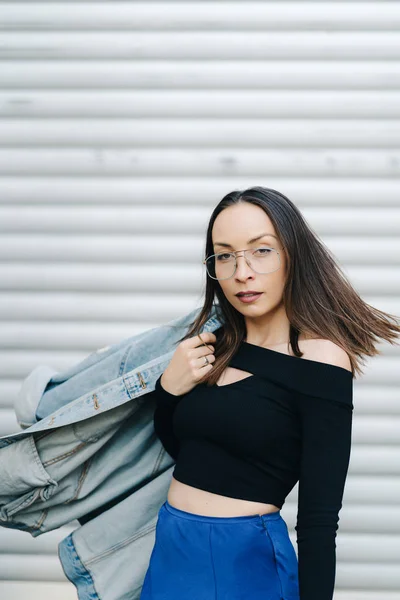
x: 195, y: 45
x: 374, y: 460
x: 182, y: 191
x: 8, y: 392
x: 198, y: 134
x: 46, y: 590
x: 189, y: 74
x: 68, y: 335
x: 224, y: 104
x: 378, y: 576
x: 85, y: 307
x: 34, y: 567
x: 379, y: 490
x: 253, y: 16
x: 164, y: 220
x: 374, y: 399
x: 8, y: 424
x: 131, y: 219
x: 374, y: 429
x: 209, y: 162
x: 19, y: 543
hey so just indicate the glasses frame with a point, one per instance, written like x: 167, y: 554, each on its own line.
x: 246, y: 259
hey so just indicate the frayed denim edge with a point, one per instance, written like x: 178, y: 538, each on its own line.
x: 75, y: 571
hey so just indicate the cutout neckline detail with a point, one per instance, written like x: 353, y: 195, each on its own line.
x: 234, y: 382
x: 306, y: 376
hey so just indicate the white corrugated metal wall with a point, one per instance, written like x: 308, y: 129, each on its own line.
x: 121, y: 126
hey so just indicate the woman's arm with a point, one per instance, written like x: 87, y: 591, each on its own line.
x: 326, y: 444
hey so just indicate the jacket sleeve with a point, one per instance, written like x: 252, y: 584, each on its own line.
x: 326, y: 443
x: 163, y: 416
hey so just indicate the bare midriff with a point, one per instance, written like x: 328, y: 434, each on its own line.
x: 190, y: 499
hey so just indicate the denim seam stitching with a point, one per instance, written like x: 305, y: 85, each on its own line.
x: 52, y: 461
x: 81, y: 480
x: 133, y: 538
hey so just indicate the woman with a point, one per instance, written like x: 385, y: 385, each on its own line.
x: 264, y: 403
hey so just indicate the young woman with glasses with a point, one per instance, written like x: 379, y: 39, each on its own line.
x: 262, y: 403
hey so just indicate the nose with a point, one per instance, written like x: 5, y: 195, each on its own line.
x: 242, y: 268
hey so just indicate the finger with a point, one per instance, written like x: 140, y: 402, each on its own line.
x: 204, y: 350
x: 205, y: 335
x: 201, y: 351
x: 210, y: 359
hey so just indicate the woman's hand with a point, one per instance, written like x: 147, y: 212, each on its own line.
x: 187, y: 365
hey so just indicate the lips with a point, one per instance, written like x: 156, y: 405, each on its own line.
x: 250, y: 293
x: 245, y: 299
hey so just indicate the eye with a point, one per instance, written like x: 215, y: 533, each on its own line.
x: 263, y: 251
x: 222, y: 257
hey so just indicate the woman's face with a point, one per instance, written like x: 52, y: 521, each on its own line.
x: 236, y: 226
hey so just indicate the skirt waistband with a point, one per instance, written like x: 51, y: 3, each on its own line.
x: 209, y: 519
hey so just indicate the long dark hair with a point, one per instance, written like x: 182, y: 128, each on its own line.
x: 317, y: 296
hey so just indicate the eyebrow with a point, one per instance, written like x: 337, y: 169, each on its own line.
x: 249, y: 242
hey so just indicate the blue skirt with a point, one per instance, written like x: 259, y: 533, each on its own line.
x: 197, y: 557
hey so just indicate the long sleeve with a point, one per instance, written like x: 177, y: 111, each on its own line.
x: 325, y: 456
x: 163, y: 414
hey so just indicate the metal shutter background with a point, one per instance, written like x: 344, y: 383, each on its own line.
x: 121, y: 127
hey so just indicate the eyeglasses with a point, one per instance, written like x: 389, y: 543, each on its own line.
x: 262, y: 260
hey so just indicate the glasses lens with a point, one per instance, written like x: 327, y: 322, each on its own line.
x: 221, y: 266
x: 261, y: 260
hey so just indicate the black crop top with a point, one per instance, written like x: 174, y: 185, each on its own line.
x: 254, y: 439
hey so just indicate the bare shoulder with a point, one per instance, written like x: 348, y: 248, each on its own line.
x: 325, y: 351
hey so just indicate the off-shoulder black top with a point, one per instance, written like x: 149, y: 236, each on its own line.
x: 254, y: 439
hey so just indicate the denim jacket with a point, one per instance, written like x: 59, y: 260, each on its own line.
x: 87, y: 438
